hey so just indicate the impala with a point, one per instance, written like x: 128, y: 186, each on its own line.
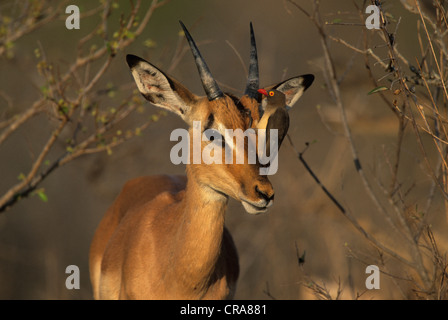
x: 164, y: 236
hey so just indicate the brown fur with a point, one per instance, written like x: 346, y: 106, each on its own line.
x: 164, y: 236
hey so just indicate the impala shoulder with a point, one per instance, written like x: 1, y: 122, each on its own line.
x: 169, y: 198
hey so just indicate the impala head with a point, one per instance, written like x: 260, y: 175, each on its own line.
x: 216, y: 112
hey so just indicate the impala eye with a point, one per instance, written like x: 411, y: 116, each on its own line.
x: 214, y: 136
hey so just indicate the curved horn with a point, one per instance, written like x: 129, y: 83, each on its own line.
x: 210, y: 86
x: 253, y: 81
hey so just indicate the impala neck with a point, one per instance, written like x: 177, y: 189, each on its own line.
x: 200, y: 234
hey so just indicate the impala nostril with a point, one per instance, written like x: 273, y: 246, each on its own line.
x: 264, y: 195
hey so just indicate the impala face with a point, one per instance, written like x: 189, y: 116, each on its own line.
x: 225, y: 146
x: 211, y: 119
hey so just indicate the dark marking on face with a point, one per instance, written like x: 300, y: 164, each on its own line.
x: 210, y: 120
x: 236, y: 101
x: 245, y: 112
x: 243, y: 187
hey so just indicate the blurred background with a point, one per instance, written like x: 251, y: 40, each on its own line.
x: 39, y: 239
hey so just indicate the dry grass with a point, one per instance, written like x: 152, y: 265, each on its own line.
x: 418, y: 102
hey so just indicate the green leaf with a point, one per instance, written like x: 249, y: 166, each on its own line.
x: 129, y: 34
x: 42, y: 195
x: 149, y: 43
x: 45, y: 90
x: 64, y: 110
x: 378, y: 89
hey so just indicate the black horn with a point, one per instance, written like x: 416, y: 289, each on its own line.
x: 208, y: 82
x: 253, y: 80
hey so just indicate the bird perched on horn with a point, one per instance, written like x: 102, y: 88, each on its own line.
x: 275, y: 116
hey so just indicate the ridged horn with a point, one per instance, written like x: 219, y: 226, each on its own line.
x: 253, y: 80
x: 211, y: 88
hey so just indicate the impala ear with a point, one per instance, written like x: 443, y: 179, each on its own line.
x: 293, y: 88
x: 160, y: 89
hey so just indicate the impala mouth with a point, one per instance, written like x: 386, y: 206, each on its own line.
x: 255, y: 208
